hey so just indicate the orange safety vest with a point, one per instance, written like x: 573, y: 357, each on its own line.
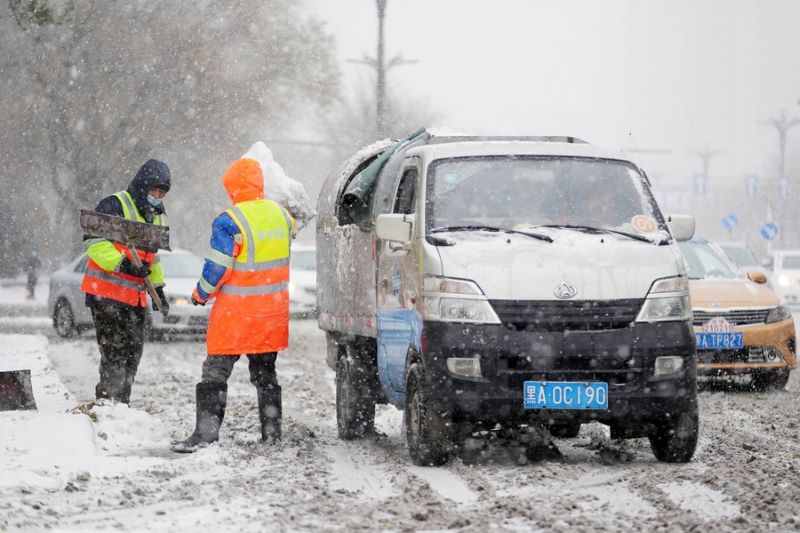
x: 114, y: 285
x: 251, y: 312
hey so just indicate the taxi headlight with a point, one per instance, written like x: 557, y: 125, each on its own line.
x: 178, y: 300
x: 779, y: 313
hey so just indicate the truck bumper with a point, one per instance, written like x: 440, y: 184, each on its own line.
x: 623, y: 358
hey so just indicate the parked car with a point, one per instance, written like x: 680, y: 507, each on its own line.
x: 786, y: 276
x: 740, y: 326
x: 480, y: 281
x: 303, y: 280
x: 181, y: 271
x: 743, y: 258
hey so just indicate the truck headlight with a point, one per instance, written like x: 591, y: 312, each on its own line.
x: 668, y: 300
x: 779, y: 313
x: 784, y: 280
x: 456, y: 300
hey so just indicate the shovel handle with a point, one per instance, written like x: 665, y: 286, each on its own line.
x: 147, y: 283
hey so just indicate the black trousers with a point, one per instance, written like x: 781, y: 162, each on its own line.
x: 218, y: 368
x: 120, y: 336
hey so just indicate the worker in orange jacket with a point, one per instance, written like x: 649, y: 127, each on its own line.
x: 247, y: 271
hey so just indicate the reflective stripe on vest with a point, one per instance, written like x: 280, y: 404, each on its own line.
x: 257, y: 270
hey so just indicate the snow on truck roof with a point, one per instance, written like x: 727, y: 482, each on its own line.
x: 466, y: 146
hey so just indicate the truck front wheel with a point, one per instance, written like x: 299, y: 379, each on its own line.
x: 674, y: 439
x: 427, y: 432
x: 355, y: 403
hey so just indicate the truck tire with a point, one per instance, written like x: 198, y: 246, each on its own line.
x: 565, y: 430
x: 355, y: 404
x: 674, y: 439
x: 427, y: 431
x: 770, y: 380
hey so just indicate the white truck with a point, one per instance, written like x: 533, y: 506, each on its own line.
x: 476, y: 281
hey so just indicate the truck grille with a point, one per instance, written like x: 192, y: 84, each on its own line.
x: 737, y: 317
x: 557, y: 316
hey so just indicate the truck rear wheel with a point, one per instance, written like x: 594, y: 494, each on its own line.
x: 355, y: 404
x: 674, y: 439
x: 427, y: 433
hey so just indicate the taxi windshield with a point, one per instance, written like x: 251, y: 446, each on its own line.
x: 525, y: 192
x: 702, y: 261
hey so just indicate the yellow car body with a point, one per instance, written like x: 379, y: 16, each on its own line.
x: 746, y: 306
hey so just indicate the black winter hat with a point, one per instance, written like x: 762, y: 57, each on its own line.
x: 154, y: 173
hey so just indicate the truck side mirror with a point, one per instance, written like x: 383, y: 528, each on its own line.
x: 681, y: 226
x: 394, y: 227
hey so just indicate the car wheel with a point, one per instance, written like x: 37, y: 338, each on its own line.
x: 770, y: 380
x: 64, y: 320
x: 426, y: 429
x: 355, y: 403
x: 565, y: 430
x: 674, y: 439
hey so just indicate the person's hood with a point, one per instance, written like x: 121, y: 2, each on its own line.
x: 244, y: 180
x: 153, y: 173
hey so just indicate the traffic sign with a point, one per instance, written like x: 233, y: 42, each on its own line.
x: 769, y: 231
x: 784, y: 187
x: 730, y: 221
x: 751, y: 186
x: 700, y: 184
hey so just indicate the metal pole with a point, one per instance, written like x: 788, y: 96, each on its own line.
x: 380, y: 66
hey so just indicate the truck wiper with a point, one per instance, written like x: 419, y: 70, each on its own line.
x: 594, y: 229
x: 539, y: 236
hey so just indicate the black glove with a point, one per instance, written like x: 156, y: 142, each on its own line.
x: 127, y: 267
x: 195, y: 301
x: 164, y: 301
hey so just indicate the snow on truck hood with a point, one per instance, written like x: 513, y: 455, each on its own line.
x: 600, y: 267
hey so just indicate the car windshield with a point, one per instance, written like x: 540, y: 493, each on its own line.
x: 790, y: 261
x: 702, y: 261
x: 740, y: 256
x: 181, y: 265
x: 304, y: 260
x: 520, y: 192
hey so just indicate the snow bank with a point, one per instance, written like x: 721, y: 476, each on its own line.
x: 281, y: 188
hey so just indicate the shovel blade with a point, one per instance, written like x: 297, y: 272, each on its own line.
x: 16, y: 392
x: 137, y: 234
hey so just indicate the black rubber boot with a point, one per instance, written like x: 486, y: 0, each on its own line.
x: 211, y: 400
x: 269, y: 412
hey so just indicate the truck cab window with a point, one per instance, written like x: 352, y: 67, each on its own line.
x: 404, y: 201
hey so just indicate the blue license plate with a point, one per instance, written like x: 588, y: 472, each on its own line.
x: 565, y: 395
x: 719, y: 341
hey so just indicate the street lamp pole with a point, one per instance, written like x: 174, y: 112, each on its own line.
x: 381, y: 67
x: 782, y: 125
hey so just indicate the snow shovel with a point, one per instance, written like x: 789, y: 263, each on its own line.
x: 16, y: 391
x: 133, y: 235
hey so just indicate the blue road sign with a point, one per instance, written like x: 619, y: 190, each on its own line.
x: 730, y: 221
x: 700, y: 184
x: 769, y: 231
x: 784, y: 187
x: 751, y: 186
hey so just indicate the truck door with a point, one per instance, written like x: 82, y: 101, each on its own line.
x: 399, y: 286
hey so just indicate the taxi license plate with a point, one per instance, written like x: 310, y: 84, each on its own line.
x: 565, y: 395
x: 719, y: 341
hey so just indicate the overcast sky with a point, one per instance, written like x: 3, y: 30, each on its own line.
x: 670, y: 75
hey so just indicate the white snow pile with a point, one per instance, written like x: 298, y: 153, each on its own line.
x: 52, y: 445
x: 280, y: 188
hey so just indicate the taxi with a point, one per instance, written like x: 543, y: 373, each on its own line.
x: 740, y: 326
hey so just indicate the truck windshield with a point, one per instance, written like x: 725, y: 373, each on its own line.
x: 521, y: 193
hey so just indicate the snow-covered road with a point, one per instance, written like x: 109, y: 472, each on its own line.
x: 744, y: 475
